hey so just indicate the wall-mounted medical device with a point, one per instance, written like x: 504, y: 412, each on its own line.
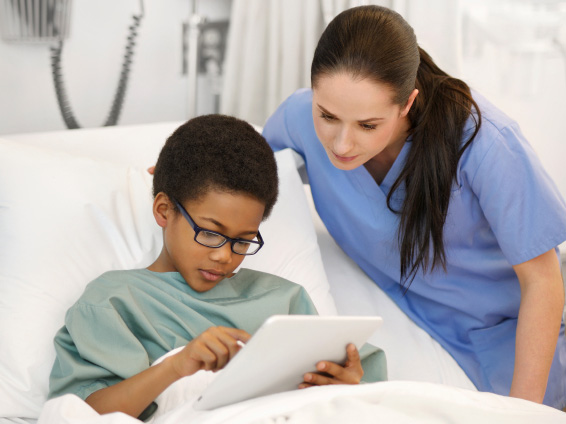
x: 48, y: 21
x: 34, y: 21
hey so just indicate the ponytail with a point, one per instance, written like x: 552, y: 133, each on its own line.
x: 437, y: 118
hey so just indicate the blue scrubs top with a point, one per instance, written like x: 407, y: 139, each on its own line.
x: 504, y: 210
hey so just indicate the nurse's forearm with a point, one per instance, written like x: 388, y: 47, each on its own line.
x: 542, y: 303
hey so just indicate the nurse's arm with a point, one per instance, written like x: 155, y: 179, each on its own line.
x: 540, y: 313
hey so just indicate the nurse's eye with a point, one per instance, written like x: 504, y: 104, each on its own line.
x: 327, y: 117
x: 368, y: 127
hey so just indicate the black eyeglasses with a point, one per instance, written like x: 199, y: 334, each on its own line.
x: 214, y: 239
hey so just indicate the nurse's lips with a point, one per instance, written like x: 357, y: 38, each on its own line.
x: 344, y: 158
x: 211, y: 274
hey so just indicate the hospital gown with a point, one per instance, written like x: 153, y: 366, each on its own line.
x: 125, y: 320
x: 504, y: 210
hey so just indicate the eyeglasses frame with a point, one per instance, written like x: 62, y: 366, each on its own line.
x: 227, y: 239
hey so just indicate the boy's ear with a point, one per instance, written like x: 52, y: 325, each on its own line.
x: 162, y: 209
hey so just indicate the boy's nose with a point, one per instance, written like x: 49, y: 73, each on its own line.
x: 222, y: 254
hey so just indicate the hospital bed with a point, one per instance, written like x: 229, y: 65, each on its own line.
x: 74, y: 204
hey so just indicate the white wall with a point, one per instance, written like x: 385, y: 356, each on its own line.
x: 508, y: 51
x: 92, y: 59
x: 512, y: 55
x: 534, y: 95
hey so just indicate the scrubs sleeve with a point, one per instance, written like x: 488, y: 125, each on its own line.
x: 281, y: 128
x: 518, y: 198
x: 95, y: 349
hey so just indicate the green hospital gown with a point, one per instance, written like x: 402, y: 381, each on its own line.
x: 125, y: 320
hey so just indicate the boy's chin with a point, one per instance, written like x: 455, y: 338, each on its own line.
x: 203, y: 281
x: 202, y: 288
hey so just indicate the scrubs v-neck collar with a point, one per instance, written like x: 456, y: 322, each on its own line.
x: 380, y: 191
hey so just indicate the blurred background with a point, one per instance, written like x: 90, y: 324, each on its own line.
x: 130, y: 62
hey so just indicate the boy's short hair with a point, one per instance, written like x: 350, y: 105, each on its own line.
x: 216, y: 152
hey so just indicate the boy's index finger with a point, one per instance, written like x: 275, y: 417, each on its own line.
x: 238, y: 334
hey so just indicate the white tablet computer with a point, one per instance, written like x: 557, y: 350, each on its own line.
x: 282, y: 350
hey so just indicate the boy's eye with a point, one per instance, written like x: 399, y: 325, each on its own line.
x: 210, y: 238
x: 327, y: 117
x: 241, y: 246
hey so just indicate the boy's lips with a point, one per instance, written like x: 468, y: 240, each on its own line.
x: 211, y: 274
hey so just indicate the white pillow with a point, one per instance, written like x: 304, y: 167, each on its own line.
x: 291, y: 247
x: 65, y: 219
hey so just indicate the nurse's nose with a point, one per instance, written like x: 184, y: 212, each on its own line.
x: 344, y: 141
x: 222, y: 254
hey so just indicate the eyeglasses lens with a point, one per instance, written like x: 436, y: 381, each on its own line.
x: 210, y: 239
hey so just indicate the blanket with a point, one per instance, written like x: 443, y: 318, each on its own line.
x: 390, y: 402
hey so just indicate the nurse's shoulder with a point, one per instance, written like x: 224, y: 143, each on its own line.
x: 498, y: 135
x: 297, y: 108
x: 290, y: 122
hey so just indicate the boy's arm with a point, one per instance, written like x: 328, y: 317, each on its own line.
x: 133, y: 395
x: 210, y: 351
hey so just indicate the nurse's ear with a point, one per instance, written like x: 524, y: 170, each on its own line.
x: 162, y: 209
x: 409, y: 103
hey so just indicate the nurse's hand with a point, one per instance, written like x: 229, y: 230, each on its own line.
x: 331, y: 373
x: 210, y: 351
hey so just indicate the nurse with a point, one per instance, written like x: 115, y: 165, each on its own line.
x: 438, y: 197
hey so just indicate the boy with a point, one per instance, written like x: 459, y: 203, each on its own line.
x: 214, y: 183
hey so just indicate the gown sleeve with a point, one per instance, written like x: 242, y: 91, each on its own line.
x: 301, y: 304
x: 374, y: 364
x: 95, y: 349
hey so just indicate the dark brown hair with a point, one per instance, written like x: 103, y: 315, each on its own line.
x: 377, y: 43
x: 217, y: 152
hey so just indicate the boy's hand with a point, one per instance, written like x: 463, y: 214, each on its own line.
x: 151, y: 169
x: 209, y: 351
x: 331, y: 373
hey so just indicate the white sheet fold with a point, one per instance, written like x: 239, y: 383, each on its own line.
x: 395, y: 402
